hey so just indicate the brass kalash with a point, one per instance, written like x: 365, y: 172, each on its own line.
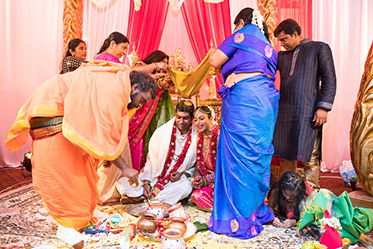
x: 178, y: 62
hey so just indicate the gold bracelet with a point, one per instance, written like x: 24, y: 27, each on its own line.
x: 146, y: 183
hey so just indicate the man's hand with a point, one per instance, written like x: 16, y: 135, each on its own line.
x: 289, y: 223
x: 131, y: 174
x: 147, y: 192
x: 320, y: 117
x: 198, y: 182
x: 175, y: 176
x: 277, y: 222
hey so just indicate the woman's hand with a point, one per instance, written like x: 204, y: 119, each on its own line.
x: 164, y: 80
x: 198, y: 182
x: 289, y: 223
x: 277, y: 222
x: 160, y: 65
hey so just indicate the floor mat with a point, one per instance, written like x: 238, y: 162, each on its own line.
x: 23, y: 219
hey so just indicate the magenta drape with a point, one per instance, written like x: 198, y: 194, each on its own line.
x: 206, y: 22
x: 145, y: 27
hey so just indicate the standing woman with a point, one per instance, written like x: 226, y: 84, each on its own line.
x: 249, y: 111
x: 204, y: 173
x: 75, y: 55
x: 153, y: 114
x: 113, y: 48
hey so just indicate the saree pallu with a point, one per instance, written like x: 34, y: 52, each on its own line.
x: 203, y: 198
x: 249, y: 112
x: 146, y: 120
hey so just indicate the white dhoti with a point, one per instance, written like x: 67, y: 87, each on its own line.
x: 171, y: 194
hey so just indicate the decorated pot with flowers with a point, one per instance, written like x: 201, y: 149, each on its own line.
x: 178, y: 210
x: 172, y: 239
x: 157, y: 208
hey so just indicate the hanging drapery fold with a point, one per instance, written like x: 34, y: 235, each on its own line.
x: 145, y: 26
x: 206, y: 22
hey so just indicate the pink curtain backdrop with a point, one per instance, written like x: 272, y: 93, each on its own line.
x: 300, y: 11
x: 31, y: 49
x: 206, y: 22
x: 39, y: 23
x: 347, y: 26
x: 145, y: 27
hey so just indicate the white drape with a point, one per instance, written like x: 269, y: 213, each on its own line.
x: 99, y: 21
x: 31, y: 46
x: 347, y: 26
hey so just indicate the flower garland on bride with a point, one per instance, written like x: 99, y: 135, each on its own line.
x: 211, y: 155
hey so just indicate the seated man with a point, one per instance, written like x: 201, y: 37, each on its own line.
x: 167, y: 174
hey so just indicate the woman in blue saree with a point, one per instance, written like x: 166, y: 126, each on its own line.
x: 249, y: 112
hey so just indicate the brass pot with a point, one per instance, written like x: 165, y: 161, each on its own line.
x: 178, y: 223
x: 147, y: 223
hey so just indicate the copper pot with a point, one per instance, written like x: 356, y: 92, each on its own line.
x: 147, y: 223
x: 178, y: 223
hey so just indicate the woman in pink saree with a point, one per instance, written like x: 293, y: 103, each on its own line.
x: 204, y: 174
x: 153, y: 114
x: 113, y: 49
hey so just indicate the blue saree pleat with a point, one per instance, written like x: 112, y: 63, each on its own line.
x: 244, y: 153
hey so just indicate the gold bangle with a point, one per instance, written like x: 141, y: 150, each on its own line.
x: 146, y: 183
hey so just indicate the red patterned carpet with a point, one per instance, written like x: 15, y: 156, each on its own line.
x: 12, y: 178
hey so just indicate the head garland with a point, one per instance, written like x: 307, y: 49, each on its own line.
x: 258, y: 20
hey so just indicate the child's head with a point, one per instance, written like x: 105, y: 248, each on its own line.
x: 289, y: 188
x: 291, y: 185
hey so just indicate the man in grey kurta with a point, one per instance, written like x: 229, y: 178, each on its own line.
x: 308, y: 86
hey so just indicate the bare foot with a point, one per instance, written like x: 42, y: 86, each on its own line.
x: 79, y: 245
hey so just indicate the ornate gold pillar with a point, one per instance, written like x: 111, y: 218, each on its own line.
x: 72, y: 20
x: 361, y: 132
x: 268, y: 9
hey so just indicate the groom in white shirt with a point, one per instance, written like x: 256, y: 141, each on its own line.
x: 168, y: 171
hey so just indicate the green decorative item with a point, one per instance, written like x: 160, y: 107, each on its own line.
x: 354, y: 220
x: 201, y: 227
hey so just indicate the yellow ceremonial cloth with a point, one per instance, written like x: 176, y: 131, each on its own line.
x: 189, y: 84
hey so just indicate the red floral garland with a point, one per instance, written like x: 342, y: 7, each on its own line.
x: 212, y: 153
x: 163, y: 179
